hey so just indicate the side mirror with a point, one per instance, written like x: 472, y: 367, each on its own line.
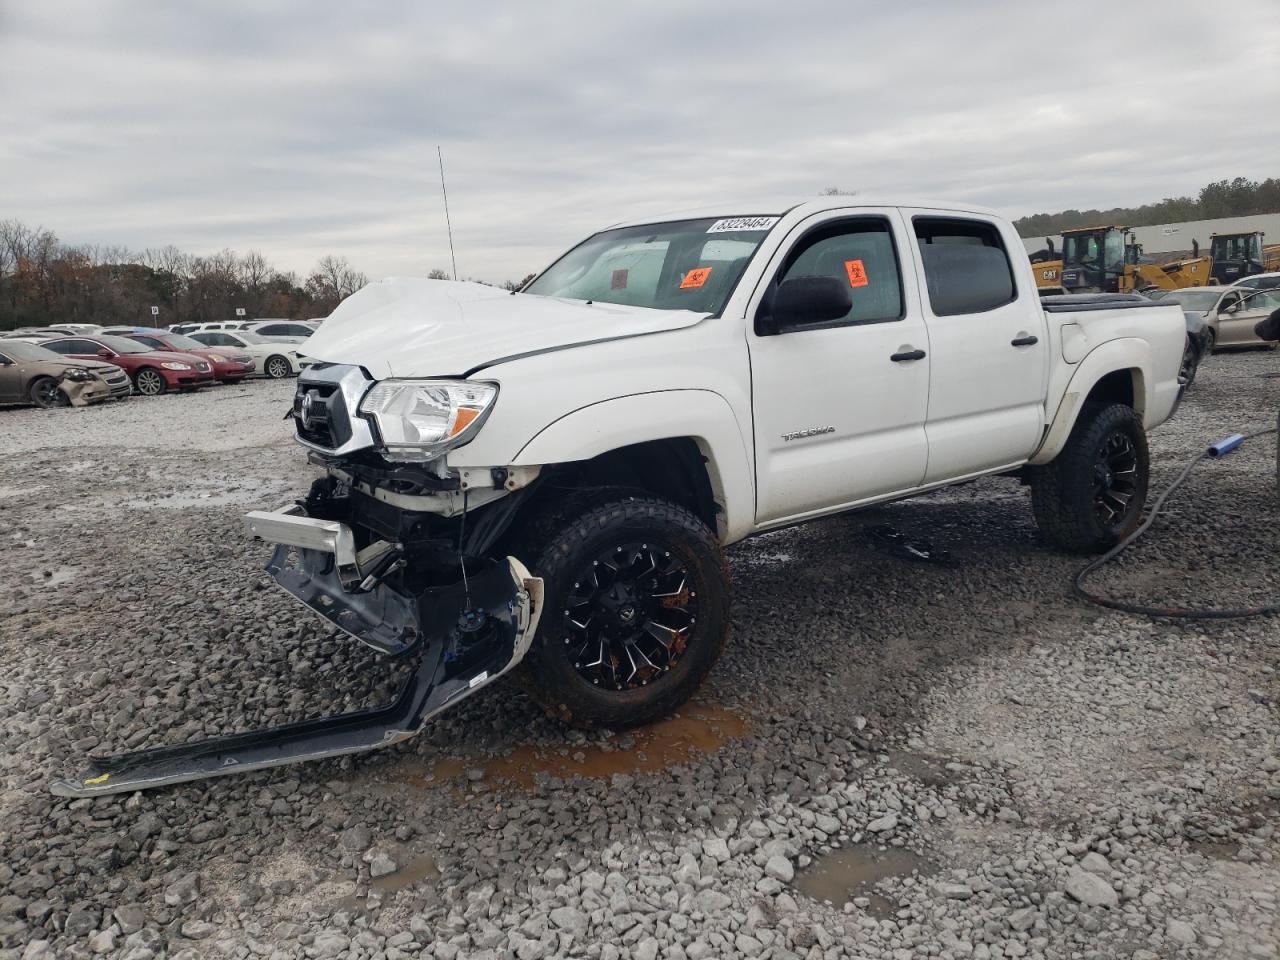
x: 105, y: 354
x: 804, y: 301
x: 1232, y: 307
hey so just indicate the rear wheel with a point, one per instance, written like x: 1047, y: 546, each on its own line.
x: 149, y: 382
x: 637, y: 611
x: 1091, y: 495
x: 277, y: 367
x: 44, y: 392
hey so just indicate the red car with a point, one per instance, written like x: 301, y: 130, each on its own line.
x: 152, y: 371
x: 229, y: 366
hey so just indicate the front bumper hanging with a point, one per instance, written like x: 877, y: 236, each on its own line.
x: 472, y: 633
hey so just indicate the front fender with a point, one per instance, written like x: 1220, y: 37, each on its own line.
x: 702, y: 415
x: 1130, y: 355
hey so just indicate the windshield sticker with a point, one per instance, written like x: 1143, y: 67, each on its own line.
x: 857, y: 273
x: 619, y: 280
x: 695, y: 278
x: 733, y: 224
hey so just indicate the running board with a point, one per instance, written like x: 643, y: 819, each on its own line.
x: 506, y: 593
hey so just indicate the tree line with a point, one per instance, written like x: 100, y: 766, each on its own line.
x: 45, y: 281
x: 1240, y: 197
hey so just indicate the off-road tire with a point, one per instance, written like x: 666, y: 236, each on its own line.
x: 39, y: 394
x: 1063, y: 490
x: 567, y: 538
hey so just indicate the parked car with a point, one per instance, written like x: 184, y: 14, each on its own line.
x: 282, y: 331
x: 152, y: 371
x: 1260, y: 281
x: 1229, y: 312
x: 32, y: 374
x: 1237, y: 322
x: 666, y: 388
x: 275, y: 360
x: 187, y: 328
x: 229, y: 365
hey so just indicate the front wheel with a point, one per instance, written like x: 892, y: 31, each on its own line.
x: 44, y: 392
x: 637, y: 611
x: 1090, y: 497
x: 149, y: 382
x: 277, y: 367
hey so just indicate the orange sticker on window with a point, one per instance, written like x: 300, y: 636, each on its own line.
x: 695, y: 278
x: 619, y: 280
x: 857, y: 273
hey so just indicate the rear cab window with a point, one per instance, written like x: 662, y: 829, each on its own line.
x: 966, y: 266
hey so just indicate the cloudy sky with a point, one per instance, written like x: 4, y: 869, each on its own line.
x: 307, y: 128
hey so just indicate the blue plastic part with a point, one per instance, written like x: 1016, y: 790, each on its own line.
x: 1225, y: 445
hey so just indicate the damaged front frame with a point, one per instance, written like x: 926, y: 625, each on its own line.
x: 472, y: 632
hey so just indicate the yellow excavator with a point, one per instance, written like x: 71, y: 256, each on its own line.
x: 1108, y: 259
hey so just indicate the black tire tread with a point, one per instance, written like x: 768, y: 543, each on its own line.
x: 1059, y: 513
x: 554, y: 537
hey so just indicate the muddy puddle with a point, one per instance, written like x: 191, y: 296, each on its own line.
x: 54, y: 578
x: 844, y: 875
x: 698, y: 730
x: 415, y: 871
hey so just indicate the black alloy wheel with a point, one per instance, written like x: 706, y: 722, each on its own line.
x: 1115, y: 479
x: 637, y: 607
x: 629, y: 615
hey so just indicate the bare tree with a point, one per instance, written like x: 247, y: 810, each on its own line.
x: 437, y: 274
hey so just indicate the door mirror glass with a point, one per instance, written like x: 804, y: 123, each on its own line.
x: 802, y: 301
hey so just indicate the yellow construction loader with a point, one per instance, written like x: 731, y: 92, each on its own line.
x: 1240, y: 255
x: 1108, y: 260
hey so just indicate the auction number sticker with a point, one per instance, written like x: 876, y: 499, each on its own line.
x: 619, y: 279
x: 734, y: 224
x: 695, y: 278
x: 857, y: 273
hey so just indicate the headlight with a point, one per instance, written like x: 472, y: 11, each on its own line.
x: 76, y: 374
x: 174, y: 365
x: 421, y: 419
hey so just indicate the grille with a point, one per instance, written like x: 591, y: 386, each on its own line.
x: 242, y: 358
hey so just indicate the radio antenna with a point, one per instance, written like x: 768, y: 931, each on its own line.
x: 447, y: 223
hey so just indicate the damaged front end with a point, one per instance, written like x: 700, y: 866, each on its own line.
x: 385, y: 551
x: 470, y: 618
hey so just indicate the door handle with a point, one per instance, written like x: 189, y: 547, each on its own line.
x: 1024, y: 341
x: 907, y: 355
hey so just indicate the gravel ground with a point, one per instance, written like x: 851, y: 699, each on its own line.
x: 896, y: 758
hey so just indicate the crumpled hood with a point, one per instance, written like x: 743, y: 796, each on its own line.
x: 407, y: 327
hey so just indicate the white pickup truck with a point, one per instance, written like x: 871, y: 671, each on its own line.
x: 551, y: 476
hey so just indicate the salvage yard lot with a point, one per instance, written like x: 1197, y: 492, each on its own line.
x: 1062, y: 780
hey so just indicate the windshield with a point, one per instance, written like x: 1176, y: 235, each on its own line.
x: 177, y: 341
x: 124, y: 345
x: 29, y: 352
x: 1080, y: 248
x: 1202, y: 300
x: 683, y: 265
